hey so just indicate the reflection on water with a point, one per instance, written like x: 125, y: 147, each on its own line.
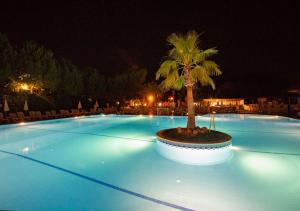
x: 121, y: 150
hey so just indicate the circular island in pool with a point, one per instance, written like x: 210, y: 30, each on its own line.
x: 206, y: 147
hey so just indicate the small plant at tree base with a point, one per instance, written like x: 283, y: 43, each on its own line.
x: 187, y: 65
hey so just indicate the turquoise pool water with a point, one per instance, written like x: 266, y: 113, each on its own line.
x: 111, y: 163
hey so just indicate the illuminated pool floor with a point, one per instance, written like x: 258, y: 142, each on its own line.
x: 111, y: 163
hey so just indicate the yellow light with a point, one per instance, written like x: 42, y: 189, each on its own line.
x: 150, y: 98
x: 159, y: 104
x: 24, y: 86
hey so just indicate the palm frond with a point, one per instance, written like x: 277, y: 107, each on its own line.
x: 201, y: 56
x: 170, y: 80
x: 179, y: 83
x: 177, y: 41
x: 192, y: 40
x: 175, y: 55
x: 165, y: 68
x: 201, y: 75
x: 209, y: 52
x: 211, y: 82
x: 212, y: 68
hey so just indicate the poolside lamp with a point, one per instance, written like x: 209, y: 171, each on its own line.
x: 150, y: 98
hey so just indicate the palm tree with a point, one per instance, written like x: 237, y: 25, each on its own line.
x: 187, y: 65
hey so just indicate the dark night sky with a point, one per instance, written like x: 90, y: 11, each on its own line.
x: 258, y: 42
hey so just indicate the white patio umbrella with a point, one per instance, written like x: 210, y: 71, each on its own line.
x: 25, y: 106
x: 79, y: 105
x: 96, y: 104
x: 6, y: 107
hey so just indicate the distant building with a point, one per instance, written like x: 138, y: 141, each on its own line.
x: 223, y: 102
x: 220, y: 105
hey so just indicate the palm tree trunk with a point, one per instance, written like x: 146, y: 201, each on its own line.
x: 191, y: 111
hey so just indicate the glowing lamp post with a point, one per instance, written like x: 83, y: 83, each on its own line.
x: 150, y: 99
x: 171, y: 99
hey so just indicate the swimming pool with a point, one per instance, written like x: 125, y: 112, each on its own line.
x: 111, y: 163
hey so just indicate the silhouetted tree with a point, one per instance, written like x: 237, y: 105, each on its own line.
x: 72, y: 83
x: 7, y: 60
x: 40, y: 63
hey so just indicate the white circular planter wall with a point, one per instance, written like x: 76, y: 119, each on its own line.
x: 194, y: 155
